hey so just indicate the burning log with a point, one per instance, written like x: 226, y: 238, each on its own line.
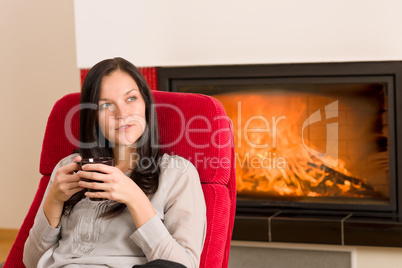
x: 303, y: 176
x: 344, y: 185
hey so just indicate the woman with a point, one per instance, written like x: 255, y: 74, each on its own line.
x: 153, y: 212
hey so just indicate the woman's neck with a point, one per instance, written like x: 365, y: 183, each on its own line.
x: 125, y: 158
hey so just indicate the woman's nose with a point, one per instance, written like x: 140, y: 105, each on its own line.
x: 120, y: 113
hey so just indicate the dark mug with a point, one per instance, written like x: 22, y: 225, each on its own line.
x: 95, y: 160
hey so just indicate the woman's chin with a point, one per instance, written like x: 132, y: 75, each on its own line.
x: 125, y: 143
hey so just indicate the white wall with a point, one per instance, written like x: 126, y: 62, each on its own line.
x: 37, y: 67
x: 182, y: 32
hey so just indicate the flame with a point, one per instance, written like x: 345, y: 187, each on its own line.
x: 271, y: 159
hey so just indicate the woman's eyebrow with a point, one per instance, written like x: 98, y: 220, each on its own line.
x: 128, y: 92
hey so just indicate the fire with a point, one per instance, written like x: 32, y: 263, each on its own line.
x: 271, y: 156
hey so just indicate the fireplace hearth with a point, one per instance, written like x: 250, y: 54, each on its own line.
x: 316, y: 145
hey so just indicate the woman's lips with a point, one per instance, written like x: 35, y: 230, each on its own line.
x: 123, y: 128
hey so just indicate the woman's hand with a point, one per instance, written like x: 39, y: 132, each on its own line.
x: 112, y: 182
x: 116, y: 186
x: 64, y: 185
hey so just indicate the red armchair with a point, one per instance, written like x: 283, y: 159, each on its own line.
x: 191, y: 125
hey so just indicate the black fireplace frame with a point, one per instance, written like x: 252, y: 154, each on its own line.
x: 270, y: 217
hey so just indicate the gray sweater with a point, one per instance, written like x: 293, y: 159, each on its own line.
x: 83, y: 239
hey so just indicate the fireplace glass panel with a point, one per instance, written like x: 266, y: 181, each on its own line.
x: 307, y: 142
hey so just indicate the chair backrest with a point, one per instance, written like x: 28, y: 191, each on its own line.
x: 193, y: 126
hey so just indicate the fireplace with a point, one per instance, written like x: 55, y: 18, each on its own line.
x: 316, y: 147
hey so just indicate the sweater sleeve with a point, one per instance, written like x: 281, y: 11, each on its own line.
x: 42, y: 236
x: 180, y: 235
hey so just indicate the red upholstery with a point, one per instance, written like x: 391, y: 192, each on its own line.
x: 191, y: 125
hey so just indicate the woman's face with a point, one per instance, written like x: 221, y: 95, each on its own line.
x: 121, y: 112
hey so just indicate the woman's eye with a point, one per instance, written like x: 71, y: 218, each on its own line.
x: 132, y: 99
x: 104, y: 106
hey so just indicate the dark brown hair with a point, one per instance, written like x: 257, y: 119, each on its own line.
x: 94, y: 144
